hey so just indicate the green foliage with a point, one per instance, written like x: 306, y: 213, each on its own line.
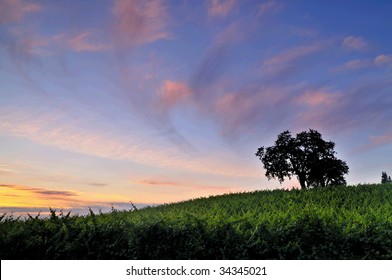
x: 326, y: 223
x: 306, y: 156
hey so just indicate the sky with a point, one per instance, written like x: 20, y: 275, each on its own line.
x: 107, y: 102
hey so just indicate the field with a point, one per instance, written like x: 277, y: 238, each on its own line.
x: 352, y: 222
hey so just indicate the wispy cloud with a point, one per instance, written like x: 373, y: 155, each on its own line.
x: 380, y: 140
x: 60, y: 131
x: 214, y: 62
x: 356, y: 64
x: 98, y: 184
x: 366, y: 115
x: 27, y: 45
x: 156, y: 182
x: 140, y: 22
x: 18, y: 42
x: 220, y: 8
x: 318, y: 98
x: 14, y: 10
x: 304, y: 32
x: 376, y: 141
x: 291, y: 54
x: 6, y: 168
x: 383, y: 59
x: 268, y: 7
x: 355, y: 43
x: 291, y: 62
x: 40, y: 191
x: 82, y: 42
x: 240, y: 112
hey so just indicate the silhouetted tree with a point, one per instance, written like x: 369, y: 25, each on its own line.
x: 385, y: 179
x: 306, y: 156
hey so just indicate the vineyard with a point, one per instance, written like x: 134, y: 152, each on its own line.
x: 352, y: 222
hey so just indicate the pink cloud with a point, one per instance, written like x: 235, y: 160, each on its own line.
x: 317, y: 98
x: 382, y: 139
x: 356, y: 63
x: 140, y: 22
x: 220, y: 8
x: 342, y: 116
x: 376, y: 141
x: 292, y: 54
x: 379, y: 60
x: 156, y: 182
x: 173, y: 92
x: 15, y: 10
x: 383, y: 59
x: 353, y: 64
x: 82, y: 42
x: 354, y: 43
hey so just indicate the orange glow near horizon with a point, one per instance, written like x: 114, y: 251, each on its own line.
x: 30, y: 197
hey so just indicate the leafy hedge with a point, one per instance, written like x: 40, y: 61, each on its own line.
x: 333, y: 223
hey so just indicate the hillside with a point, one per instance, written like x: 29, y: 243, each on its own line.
x: 333, y: 223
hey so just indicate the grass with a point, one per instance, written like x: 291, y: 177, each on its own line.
x: 353, y: 222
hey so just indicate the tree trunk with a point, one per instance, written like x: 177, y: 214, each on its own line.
x: 302, y: 182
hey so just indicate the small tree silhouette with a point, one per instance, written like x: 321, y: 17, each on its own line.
x: 385, y: 179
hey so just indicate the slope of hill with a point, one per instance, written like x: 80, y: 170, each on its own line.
x: 333, y: 223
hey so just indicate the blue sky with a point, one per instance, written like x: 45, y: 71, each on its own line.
x: 103, y: 102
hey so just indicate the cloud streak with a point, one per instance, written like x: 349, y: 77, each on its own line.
x: 59, y: 131
x: 139, y: 22
x: 269, y: 7
x: 355, y: 43
x: 318, y: 98
x: 383, y: 59
x: 220, y: 8
x: 82, y: 42
x: 12, y: 11
x: 366, y: 115
x: 40, y: 191
x: 292, y: 54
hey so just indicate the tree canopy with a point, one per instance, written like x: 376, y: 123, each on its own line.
x: 307, y: 156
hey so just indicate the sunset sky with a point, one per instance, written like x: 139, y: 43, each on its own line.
x: 106, y: 102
